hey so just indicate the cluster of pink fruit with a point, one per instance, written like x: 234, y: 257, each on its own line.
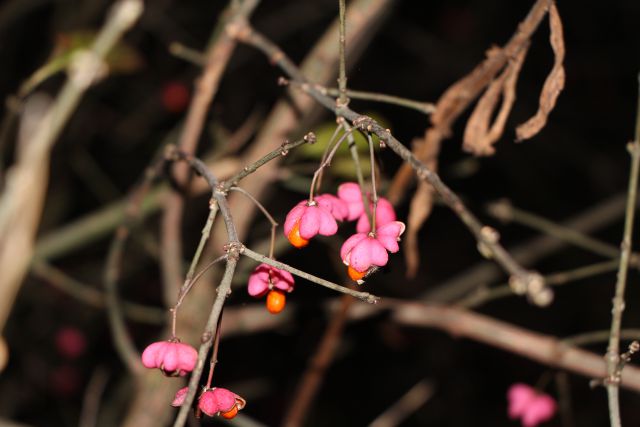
x: 362, y: 253
x: 175, y: 359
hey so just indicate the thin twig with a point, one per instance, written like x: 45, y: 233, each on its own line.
x: 93, y: 296
x: 265, y: 212
x: 92, y: 397
x: 529, y: 252
x: 364, y: 296
x: 483, y: 295
x: 613, y: 351
x: 602, y: 336
x: 111, y: 275
x: 342, y: 39
x: 410, y: 402
x: 506, y: 212
x: 423, y: 107
x: 281, y: 151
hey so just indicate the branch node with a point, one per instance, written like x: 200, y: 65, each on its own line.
x: 310, y: 138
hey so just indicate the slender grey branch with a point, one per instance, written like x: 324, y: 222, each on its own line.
x: 613, y: 351
x: 364, y: 296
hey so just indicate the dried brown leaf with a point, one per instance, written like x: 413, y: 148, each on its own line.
x: 421, y: 206
x: 459, y: 95
x: 478, y: 137
x: 554, y: 83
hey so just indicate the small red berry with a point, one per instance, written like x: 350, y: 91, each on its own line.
x: 175, y: 96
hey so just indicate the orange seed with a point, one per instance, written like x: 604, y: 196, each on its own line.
x: 295, y: 238
x: 276, y: 301
x: 230, y: 413
x: 355, y: 274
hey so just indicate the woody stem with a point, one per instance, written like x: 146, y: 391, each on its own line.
x: 374, y: 191
x: 214, y: 355
x: 325, y: 163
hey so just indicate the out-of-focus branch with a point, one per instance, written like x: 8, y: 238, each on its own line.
x: 529, y: 252
x: 93, y: 296
x: 411, y: 401
x: 532, y: 345
x: 317, y: 366
x: 217, y: 58
x: 504, y: 211
x: 23, y: 197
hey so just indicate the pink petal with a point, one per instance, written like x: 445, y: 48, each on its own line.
x: 385, y: 212
x: 389, y: 234
x: 187, y: 358
x: 384, y: 215
x: 519, y: 396
x: 348, y: 245
x: 540, y: 409
x: 226, y: 399
x: 178, y: 400
x: 258, y: 281
x: 337, y: 207
x: 208, y: 403
x: 367, y: 253
x: 350, y: 193
x: 328, y: 224
x: 293, y: 216
x: 310, y: 222
x: 282, y: 280
x: 150, y: 355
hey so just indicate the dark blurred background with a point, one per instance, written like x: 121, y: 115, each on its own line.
x: 578, y: 161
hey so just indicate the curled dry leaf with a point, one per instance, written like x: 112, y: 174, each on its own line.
x: 554, y: 83
x: 478, y: 137
x: 421, y: 206
x: 461, y: 94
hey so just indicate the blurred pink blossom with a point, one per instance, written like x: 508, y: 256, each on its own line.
x: 530, y: 406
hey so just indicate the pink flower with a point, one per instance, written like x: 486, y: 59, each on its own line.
x: 530, y: 406
x: 221, y: 401
x: 214, y: 401
x: 70, y: 342
x: 172, y: 358
x: 333, y: 204
x: 178, y: 400
x: 276, y: 282
x: 350, y: 193
x: 384, y: 215
x: 364, y: 251
x: 265, y: 277
x: 307, y: 219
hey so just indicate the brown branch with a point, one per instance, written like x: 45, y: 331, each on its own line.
x: 217, y: 58
x: 93, y: 296
x: 541, y: 348
x: 318, y: 364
